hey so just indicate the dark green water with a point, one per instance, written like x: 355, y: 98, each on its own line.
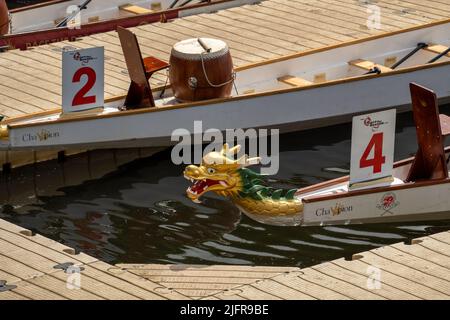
x: 140, y: 213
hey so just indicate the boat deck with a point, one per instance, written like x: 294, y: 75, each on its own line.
x: 31, y: 266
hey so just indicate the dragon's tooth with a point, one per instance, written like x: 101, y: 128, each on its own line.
x: 196, y: 201
x: 223, y: 183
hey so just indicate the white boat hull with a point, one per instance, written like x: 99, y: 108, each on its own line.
x: 288, y: 111
x: 413, y: 204
x: 44, y: 17
x: 271, y: 103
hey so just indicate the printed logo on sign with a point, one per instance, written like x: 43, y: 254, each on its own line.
x: 83, y: 59
x: 42, y: 135
x: 387, y: 203
x: 336, y: 210
x: 374, y: 124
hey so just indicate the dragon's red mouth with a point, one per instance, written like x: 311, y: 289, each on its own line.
x: 200, y: 186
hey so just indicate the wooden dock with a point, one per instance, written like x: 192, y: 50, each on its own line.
x: 34, y: 267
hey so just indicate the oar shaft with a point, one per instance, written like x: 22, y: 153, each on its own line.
x: 80, y: 7
x: 173, y: 4
x: 440, y: 55
x: 185, y: 3
x: 419, y: 46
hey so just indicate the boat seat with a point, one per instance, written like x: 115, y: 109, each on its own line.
x: 294, y: 81
x: 135, y: 9
x: 140, y: 70
x: 368, y: 65
x: 438, y: 49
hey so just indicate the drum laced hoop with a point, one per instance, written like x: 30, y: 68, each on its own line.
x: 233, y: 76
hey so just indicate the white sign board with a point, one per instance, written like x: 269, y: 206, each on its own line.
x: 83, y: 79
x: 373, y: 139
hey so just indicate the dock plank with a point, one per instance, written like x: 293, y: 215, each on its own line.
x: 30, y: 259
x: 425, y: 254
x: 31, y: 291
x: 359, y: 15
x: 281, y: 28
x: 356, y: 278
x: 442, y: 237
x: 416, y: 263
x: 412, y: 290
x: 279, y: 290
x: 252, y: 293
x: 436, y: 246
x: 415, y: 276
x: 418, y: 271
x: 341, y: 23
x: 293, y: 280
x: 390, y: 11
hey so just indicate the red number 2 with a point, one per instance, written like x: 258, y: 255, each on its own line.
x: 80, y: 98
x: 378, y: 159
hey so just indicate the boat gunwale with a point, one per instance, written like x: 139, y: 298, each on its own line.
x: 133, y: 112
x: 52, y: 2
x: 328, y: 183
x: 354, y: 193
x: 117, y: 20
x: 37, y: 5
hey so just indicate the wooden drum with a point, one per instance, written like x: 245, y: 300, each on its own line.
x: 4, y: 18
x: 201, y: 69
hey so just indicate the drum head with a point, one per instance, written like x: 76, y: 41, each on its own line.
x: 191, y: 49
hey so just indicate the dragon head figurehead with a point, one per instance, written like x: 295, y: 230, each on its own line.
x: 218, y: 172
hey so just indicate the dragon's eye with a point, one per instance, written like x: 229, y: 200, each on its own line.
x: 211, y: 170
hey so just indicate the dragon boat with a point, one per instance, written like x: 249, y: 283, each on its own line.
x: 414, y: 189
x: 310, y: 89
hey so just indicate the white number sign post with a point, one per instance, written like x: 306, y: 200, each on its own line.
x: 83, y: 79
x: 373, y: 139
